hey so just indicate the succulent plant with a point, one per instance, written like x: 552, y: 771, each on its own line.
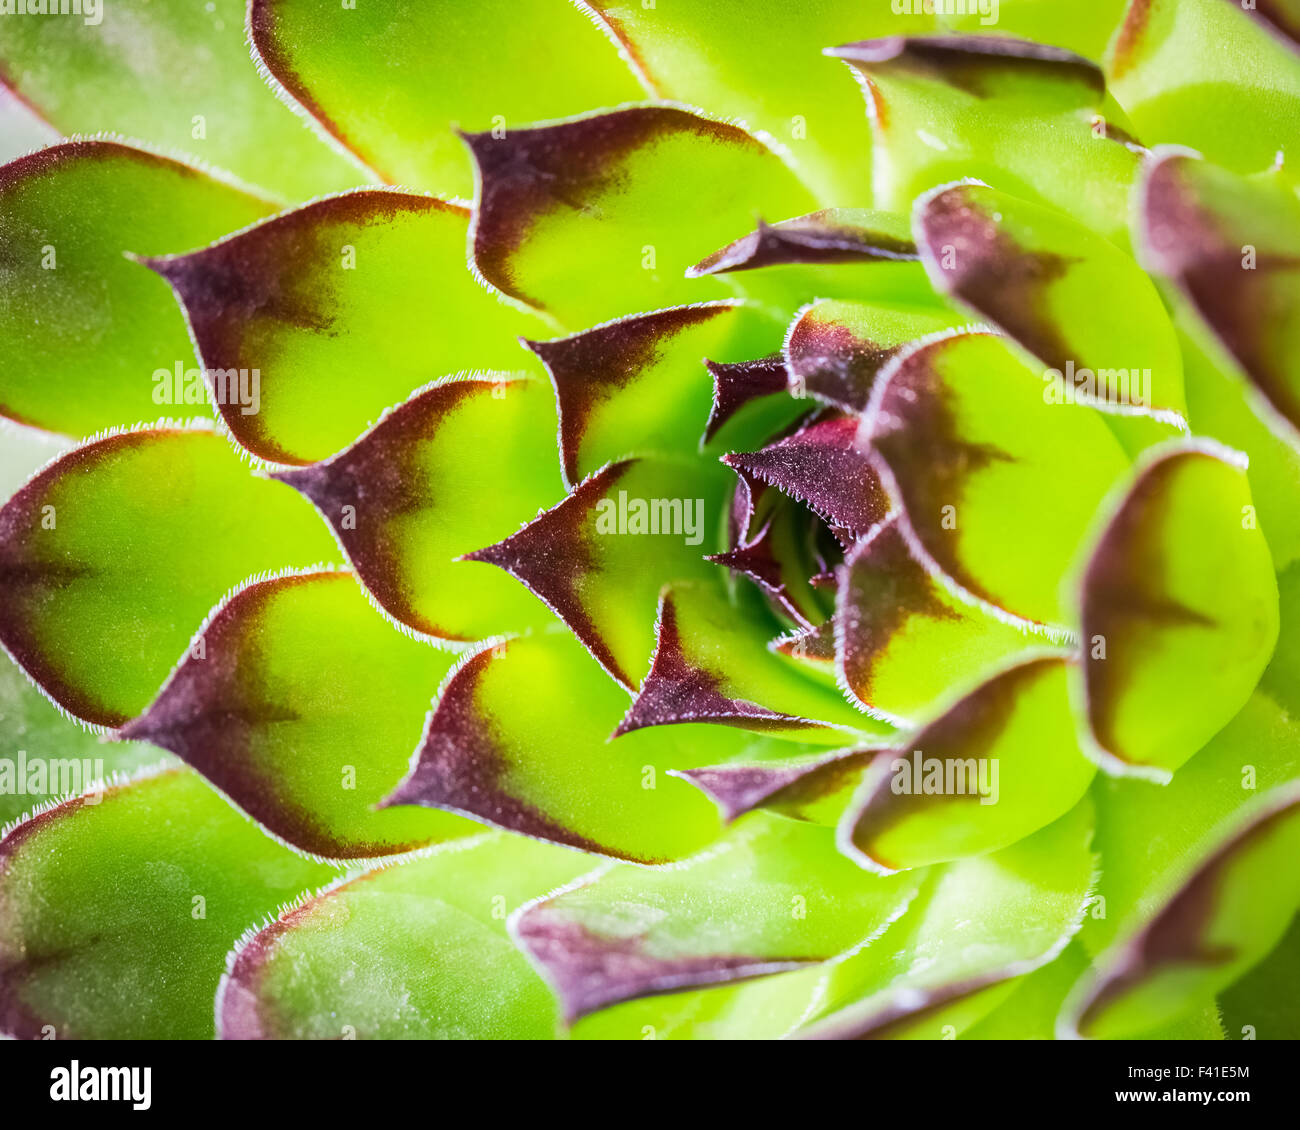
x: 639, y: 534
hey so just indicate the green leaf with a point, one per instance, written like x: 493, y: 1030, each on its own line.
x: 414, y: 950
x: 995, y: 767
x: 1084, y: 26
x: 84, y: 330
x: 1152, y: 836
x: 1261, y: 1004
x: 1030, y: 1011
x: 760, y: 63
x: 176, y: 76
x: 1198, y: 73
x: 321, y: 302
x: 1217, y: 924
x: 457, y: 466
x: 519, y: 740
x: 1178, y: 609
x: 117, y: 913
x: 1028, y: 119
x: 392, y: 82
x: 982, y: 458
x: 636, y: 195
x: 300, y: 702
x: 1031, y: 270
x: 111, y: 557
x: 45, y: 755
x: 976, y: 926
x: 771, y: 897
x: 902, y: 640
x: 835, y: 348
x: 1232, y: 247
x: 599, y: 558
x: 635, y: 385
x: 1218, y: 407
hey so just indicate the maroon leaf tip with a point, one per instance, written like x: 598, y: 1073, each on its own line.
x: 591, y: 970
x: 460, y: 765
x: 590, y: 367
x: 735, y: 385
x: 677, y: 690
x: 551, y: 555
x: 826, y: 467
x: 820, y: 237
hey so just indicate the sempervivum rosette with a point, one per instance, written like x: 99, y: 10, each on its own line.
x: 631, y: 543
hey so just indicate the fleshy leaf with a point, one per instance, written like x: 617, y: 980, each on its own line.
x: 1219, y: 922
x: 625, y: 387
x: 48, y: 756
x: 1219, y: 407
x: 835, y: 348
x: 112, y: 556
x: 826, y: 467
x: 540, y: 764
x: 975, y: 927
x: 1197, y: 73
x: 1179, y: 611
x: 641, y: 193
x: 1232, y: 246
x: 599, y: 558
x: 774, y: 895
x: 74, y: 360
x: 176, y: 76
x: 1030, y: 270
x: 1023, y: 116
x: 391, y: 82
x: 714, y: 55
x: 1282, y: 17
x: 416, y: 950
x: 995, y: 767
x: 902, y: 639
x: 972, y: 445
x: 456, y: 466
x: 1150, y: 836
x: 302, y: 704
x: 1082, y: 27
x: 1262, y: 1002
x: 115, y: 913
x: 320, y: 303
x: 711, y: 665
x: 762, y: 1008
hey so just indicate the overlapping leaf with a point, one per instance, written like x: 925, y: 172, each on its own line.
x: 300, y: 703
x: 112, y: 556
x: 392, y: 82
x: 176, y: 76
x: 117, y: 910
x: 454, y: 468
x: 771, y: 897
x: 637, y: 195
x: 90, y: 339
x: 1178, y: 611
x: 318, y: 303
x: 450, y: 971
